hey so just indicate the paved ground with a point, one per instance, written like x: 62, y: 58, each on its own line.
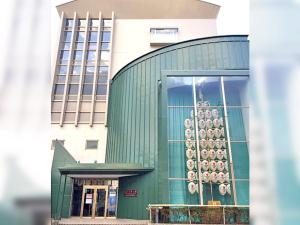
x: 98, y: 221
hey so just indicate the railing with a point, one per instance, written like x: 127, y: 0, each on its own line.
x: 198, y: 214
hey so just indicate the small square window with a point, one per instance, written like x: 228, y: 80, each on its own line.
x: 66, y: 46
x: 103, y: 70
x: 101, y: 89
x: 87, y: 89
x: 106, y: 36
x: 94, y: 22
x: 67, y: 36
x: 60, y: 79
x: 90, y: 70
x: 93, y: 36
x: 105, y: 45
x: 62, y: 142
x: 104, y: 55
x: 80, y: 36
x: 102, y: 79
x: 77, y: 55
x: 81, y: 22
x: 73, y: 89
x: 91, y: 144
x: 69, y: 22
x: 59, y: 89
x: 92, y: 46
x: 106, y: 22
x: 62, y: 70
x: 64, y: 55
x: 88, y: 79
x: 91, y: 55
x: 76, y: 70
x: 79, y: 46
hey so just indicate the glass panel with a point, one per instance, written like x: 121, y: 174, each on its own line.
x: 59, y: 89
x: 112, y: 202
x: 55, y: 117
x: 80, y: 36
x: 88, y: 79
x: 179, y: 193
x: 88, y: 202
x: 62, y: 70
x: 101, y: 198
x: 90, y: 70
x: 105, y: 45
x: 79, y: 46
x: 81, y: 22
x: 99, y: 117
x: 87, y: 89
x: 61, y: 79
x: 94, y: 22
x: 102, y: 79
x: 240, y: 158
x: 103, y: 70
x: 104, y: 55
x: 91, y: 144
x: 236, y: 91
x: 77, y: 55
x: 106, y: 36
x: 84, y: 117
x: 67, y: 36
x: 64, y: 55
x: 69, y: 22
x: 74, y: 79
x: 66, y: 46
x: 92, y: 46
x: 237, y: 121
x: 73, y: 89
x: 101, y: 89
x: 106, y: 22
x: 93, y: 36
x: 91, y: 55
x: 76, y: 70
x: 77, y: 198
x: 209, y: 89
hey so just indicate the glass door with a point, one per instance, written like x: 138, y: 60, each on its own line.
x: 94, y: 201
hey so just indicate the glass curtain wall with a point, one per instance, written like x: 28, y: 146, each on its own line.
x: 207, y: 140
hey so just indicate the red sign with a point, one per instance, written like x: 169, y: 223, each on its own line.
x: 130, y: 193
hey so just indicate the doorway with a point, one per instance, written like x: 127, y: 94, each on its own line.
x: 94, y: 201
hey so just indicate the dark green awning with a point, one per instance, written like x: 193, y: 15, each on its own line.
x: 104, y: 168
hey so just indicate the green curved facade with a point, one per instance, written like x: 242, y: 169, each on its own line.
x: 139, y: 118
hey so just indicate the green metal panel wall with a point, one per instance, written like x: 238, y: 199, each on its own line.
x: 134, y: 112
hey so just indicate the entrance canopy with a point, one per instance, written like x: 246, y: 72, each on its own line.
x: 104, y: 169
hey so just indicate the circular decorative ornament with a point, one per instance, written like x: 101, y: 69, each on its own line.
x: 206, y: 176
x: 188, y: 133
x: 202, y: 133
x: 204, y: 165
x: 192, y: 187
x: 191, y: 175
x: 227, y: 177
x: 189, y: 143
x: 202, y: 124
x: 216, y: 123
x: 204, y: 154
x: 200, y: 114
x: 207, y: 114
x: 211, y: 143
x: 209, y: 124
x: 221, y: 122
x: 187, y: 123
x: 210, y: 133
x: 220, y: 154
x: 199, y: 105
x: 189, y: 153
x: 220, y: 165
x: 228, y: 189
x: 222, y: 189
x: 205, y: 104
x: 214, y: 177
x: 212, y: 154
x: 213, y: 165
x: 218, y: 143
x: 217, y: 132
x: 226, y: 166
x: 215, y: 113
x: 190, y: 164
x: 223, y: 142
x: 203, y: 143
x: 222, y: 132
x: 221, y: 177
x: 224, y: 154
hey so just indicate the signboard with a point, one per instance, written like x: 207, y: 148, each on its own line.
x: 130, y: 193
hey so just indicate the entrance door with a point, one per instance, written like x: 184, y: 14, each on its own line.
x: 94, y: 201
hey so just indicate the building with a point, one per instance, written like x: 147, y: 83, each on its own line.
x: 130, y: 79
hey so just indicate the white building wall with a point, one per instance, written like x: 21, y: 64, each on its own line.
x: 132, y: 37
x: 75, y: 140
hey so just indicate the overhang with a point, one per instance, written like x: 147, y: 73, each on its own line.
x: 104, y: 169
x: 141, y: 9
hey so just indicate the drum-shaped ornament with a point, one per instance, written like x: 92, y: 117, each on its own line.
x: 217, y: 132
x: 222, y: 132
x: 213, y: 165
x: 221, y: 177
x: 228, y: 189
x: 215, y: 113
x: 222, y: 189
x: 209, y: 124
x: 211, y: 143
x: 200, y: 114
x: 204, y: 154
x: 216, y: 123
x: 207, y: 114
x: 221, y: 122
x: 189, y: 153
x: 223, y: 142
x: 191, y: 175
x: 199, y: 104
x: 227, y: 177
x: 202, y: 124
x: 212, y: 154
x: 202, y: 133
x: 206, y: 176
x: 226, y: 166
x: 190, y: 164
x: 187, y: 123
x: 210, y: 133
x: 214, y: 177
x: 188, y: 133
x: 218, y: 143
x: 220, y: 154
x: 203, y: 143
x: 204, y: 165
x: 220, y: 165
x: 189, y: 143
x: 192, y: 187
